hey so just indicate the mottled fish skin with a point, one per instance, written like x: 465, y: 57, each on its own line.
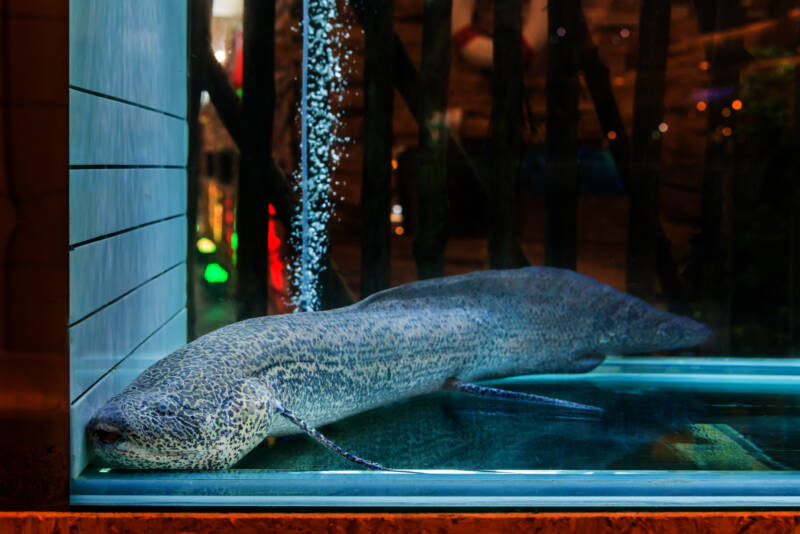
x: 209, y: 403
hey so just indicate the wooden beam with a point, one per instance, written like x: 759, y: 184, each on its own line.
x: 280, y: 190
x: 258, y: 103
x: 596, y: 75
x: 431, y: 236
x: 223, y: 96
x: 376, y: 185
x: 199, y: 17
x: 406, y: 81
x: 716, y: 252
x: 648, y: 113
x: 562, y: 142
x: 506, y: 133
x: 794, y: 265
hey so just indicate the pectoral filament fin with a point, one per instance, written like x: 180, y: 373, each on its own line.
x: 317, y: 435
x: 484, y: 391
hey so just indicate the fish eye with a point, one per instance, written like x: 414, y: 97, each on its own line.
x: 165, y: 408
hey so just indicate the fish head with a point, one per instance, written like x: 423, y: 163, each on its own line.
x: 629, y: 325
x: 174, y: 418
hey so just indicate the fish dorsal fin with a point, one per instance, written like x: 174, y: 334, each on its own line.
x: 455, y: 288
x: 317, y: 435
x: 480, y: 288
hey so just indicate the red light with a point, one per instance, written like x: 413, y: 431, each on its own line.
x: 276, y: 275
x: 229, y: 217
x: 273, y: 241
x: 277, y: 278
x: 228, y: 236
x: 228, y: 202
x: 275, y: 263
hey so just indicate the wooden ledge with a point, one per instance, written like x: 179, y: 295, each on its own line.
x: 353, y: 523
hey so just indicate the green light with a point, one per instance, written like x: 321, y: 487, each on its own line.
x: 234, y: 258
x: 215, y: 274
x: 235, y: 241
x: 206, y: 246
x: 239, y: 92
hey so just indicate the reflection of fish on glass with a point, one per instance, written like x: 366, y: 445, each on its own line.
x: 449, y: 431
x: 208, y: 404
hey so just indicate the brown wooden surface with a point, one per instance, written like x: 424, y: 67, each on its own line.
x: 34, y: 276
x: 355, y: 523
x: 33, y: 181
x: 34, y: 431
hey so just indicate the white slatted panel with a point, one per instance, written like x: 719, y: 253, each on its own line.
x: 107, y: 132
x: 106, y: 337
x: 102, y: 271
x: 159, y: 193
x: 163, y: 341
x: 128, y: 148
x: 134, y: 51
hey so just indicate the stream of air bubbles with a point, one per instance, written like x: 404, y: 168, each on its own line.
x: 320, y: 146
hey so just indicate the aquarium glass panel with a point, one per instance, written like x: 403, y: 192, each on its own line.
x: 443, y: 254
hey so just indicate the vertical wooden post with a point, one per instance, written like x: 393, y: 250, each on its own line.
x: 794, y: 243
x: 724, y: 57
x: 431, y: 238
x: 596, y: 74
x: 377, y: 173
x: 199, y: 17
x: 794, y: 258
x: 506, y: 136
x: 648, y: 112
x: 407, y: 83
x: 562, y: 143
x: 258, y: 102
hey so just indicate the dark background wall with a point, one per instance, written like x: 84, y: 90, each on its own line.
x: 34, y: 276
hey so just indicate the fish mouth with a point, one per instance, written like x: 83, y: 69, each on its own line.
x: 105, y: 434
x: 113, y: 446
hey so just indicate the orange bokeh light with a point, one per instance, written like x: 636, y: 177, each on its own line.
x: 736, y: 104
x: 611, y: 134
x: 701, y: 106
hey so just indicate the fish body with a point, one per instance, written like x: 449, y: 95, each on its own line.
x: 209, y: 403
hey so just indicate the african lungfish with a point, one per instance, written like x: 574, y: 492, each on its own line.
x: 209, y: 403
